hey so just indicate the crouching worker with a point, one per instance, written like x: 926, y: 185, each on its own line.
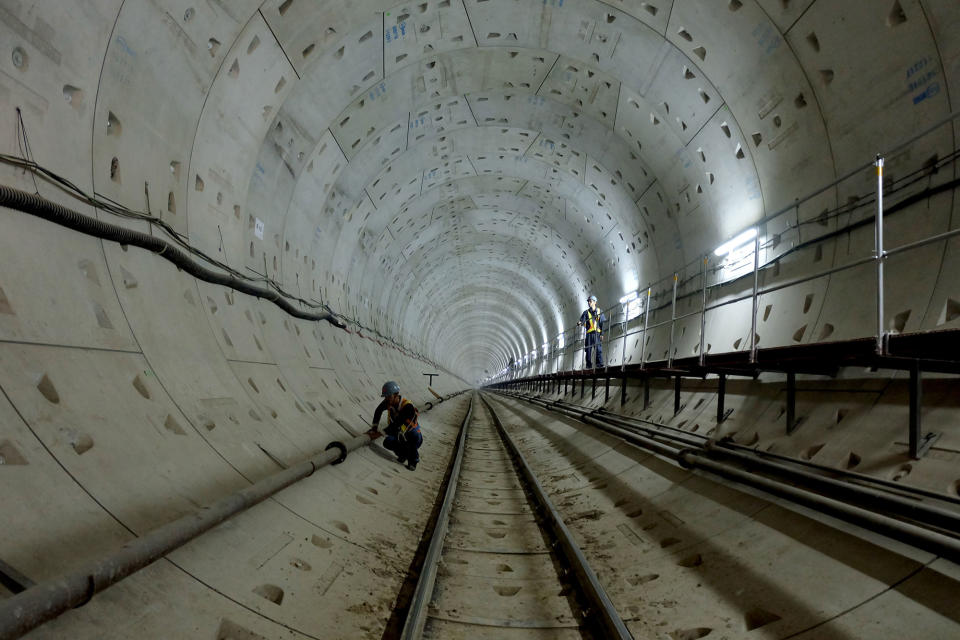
x: 403, y: 428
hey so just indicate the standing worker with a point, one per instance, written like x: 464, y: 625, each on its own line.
x: 593, y: 319
x: 403, y: 428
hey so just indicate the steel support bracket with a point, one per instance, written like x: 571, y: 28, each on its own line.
x: 791, y: 402
x: 721, y: 397
x: 676, y: 394
x: 920, y: 442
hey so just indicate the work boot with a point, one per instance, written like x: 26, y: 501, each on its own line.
x: 401, y: 459
x: 412, y: 465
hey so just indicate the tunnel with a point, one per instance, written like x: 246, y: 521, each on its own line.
x: 225, y: 224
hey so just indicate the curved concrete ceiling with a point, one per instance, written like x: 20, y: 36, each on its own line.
x: 380, y: 157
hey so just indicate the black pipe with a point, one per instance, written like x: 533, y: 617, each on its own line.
x: 878, y: 499
x: 914, y: 534
x: 45, y: 601
x: 58, y: 214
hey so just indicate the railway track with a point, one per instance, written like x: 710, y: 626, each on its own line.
x: 501, y: 564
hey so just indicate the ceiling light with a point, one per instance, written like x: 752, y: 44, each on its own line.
x: 736, y: 243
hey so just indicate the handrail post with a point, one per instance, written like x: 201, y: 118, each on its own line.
x: 643, y: 334
x: 673, y: 320
x: 606, y: 360
x: 755, y: 298
x: 623, y: 332
x: 703, y: 309
x: 878, y: 226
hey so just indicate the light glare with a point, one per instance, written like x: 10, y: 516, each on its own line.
x: 736, y: 243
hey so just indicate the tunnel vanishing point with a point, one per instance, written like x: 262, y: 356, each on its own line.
x: 225, y: 223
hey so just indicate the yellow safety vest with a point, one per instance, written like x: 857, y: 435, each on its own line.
x: 593, y: 325
x: 393, y: 414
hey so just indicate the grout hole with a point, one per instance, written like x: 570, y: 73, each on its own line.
x: 81, y: 443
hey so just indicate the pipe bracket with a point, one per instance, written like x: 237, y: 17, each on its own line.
x: 343, y: 451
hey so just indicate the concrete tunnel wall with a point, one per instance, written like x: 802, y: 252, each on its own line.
x: 460, y: 187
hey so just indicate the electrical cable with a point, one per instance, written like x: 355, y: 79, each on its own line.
x: 230, y: 276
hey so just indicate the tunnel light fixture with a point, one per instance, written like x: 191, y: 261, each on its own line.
x: 736, y: 243
x: 630, y: 297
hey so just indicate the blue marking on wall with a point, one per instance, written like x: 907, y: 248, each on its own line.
x: 377, y: 91
x: 397, y: 32
x: 767, y: 37
x: 929, y: 92
x: 126, y: 48
x: 920, y: 76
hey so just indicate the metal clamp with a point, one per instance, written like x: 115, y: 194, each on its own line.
x: 343, y: 451
x: 682, y: 457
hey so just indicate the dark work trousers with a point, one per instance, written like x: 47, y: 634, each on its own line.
x: 405, y: 445
x: 592, y: 341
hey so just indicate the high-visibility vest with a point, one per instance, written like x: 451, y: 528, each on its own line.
x: 394, y: 414
x: 593, y: 322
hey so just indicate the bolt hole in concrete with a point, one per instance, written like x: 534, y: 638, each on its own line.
x: 496, y: 534
x: 73, y: 96
x: 812, y: 451
x: 321, y: 543
x: 902, y: 472
x: 506, y: 591
x: 47, y: 390
x: 690, y: 634
x: 80, y: 442
x: 694, y: 560
x: 270, y: 592
x: 231, y: 631
x: 171, y: 425
x: 852, y: 460
x: 638, y: 580
x: 141, y: 387
x: 757, y: 617
x: 10, y: 455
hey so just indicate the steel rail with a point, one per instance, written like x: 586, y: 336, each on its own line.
x: 419, y: 605
x: 608, y: 618
x: 43, y: 602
